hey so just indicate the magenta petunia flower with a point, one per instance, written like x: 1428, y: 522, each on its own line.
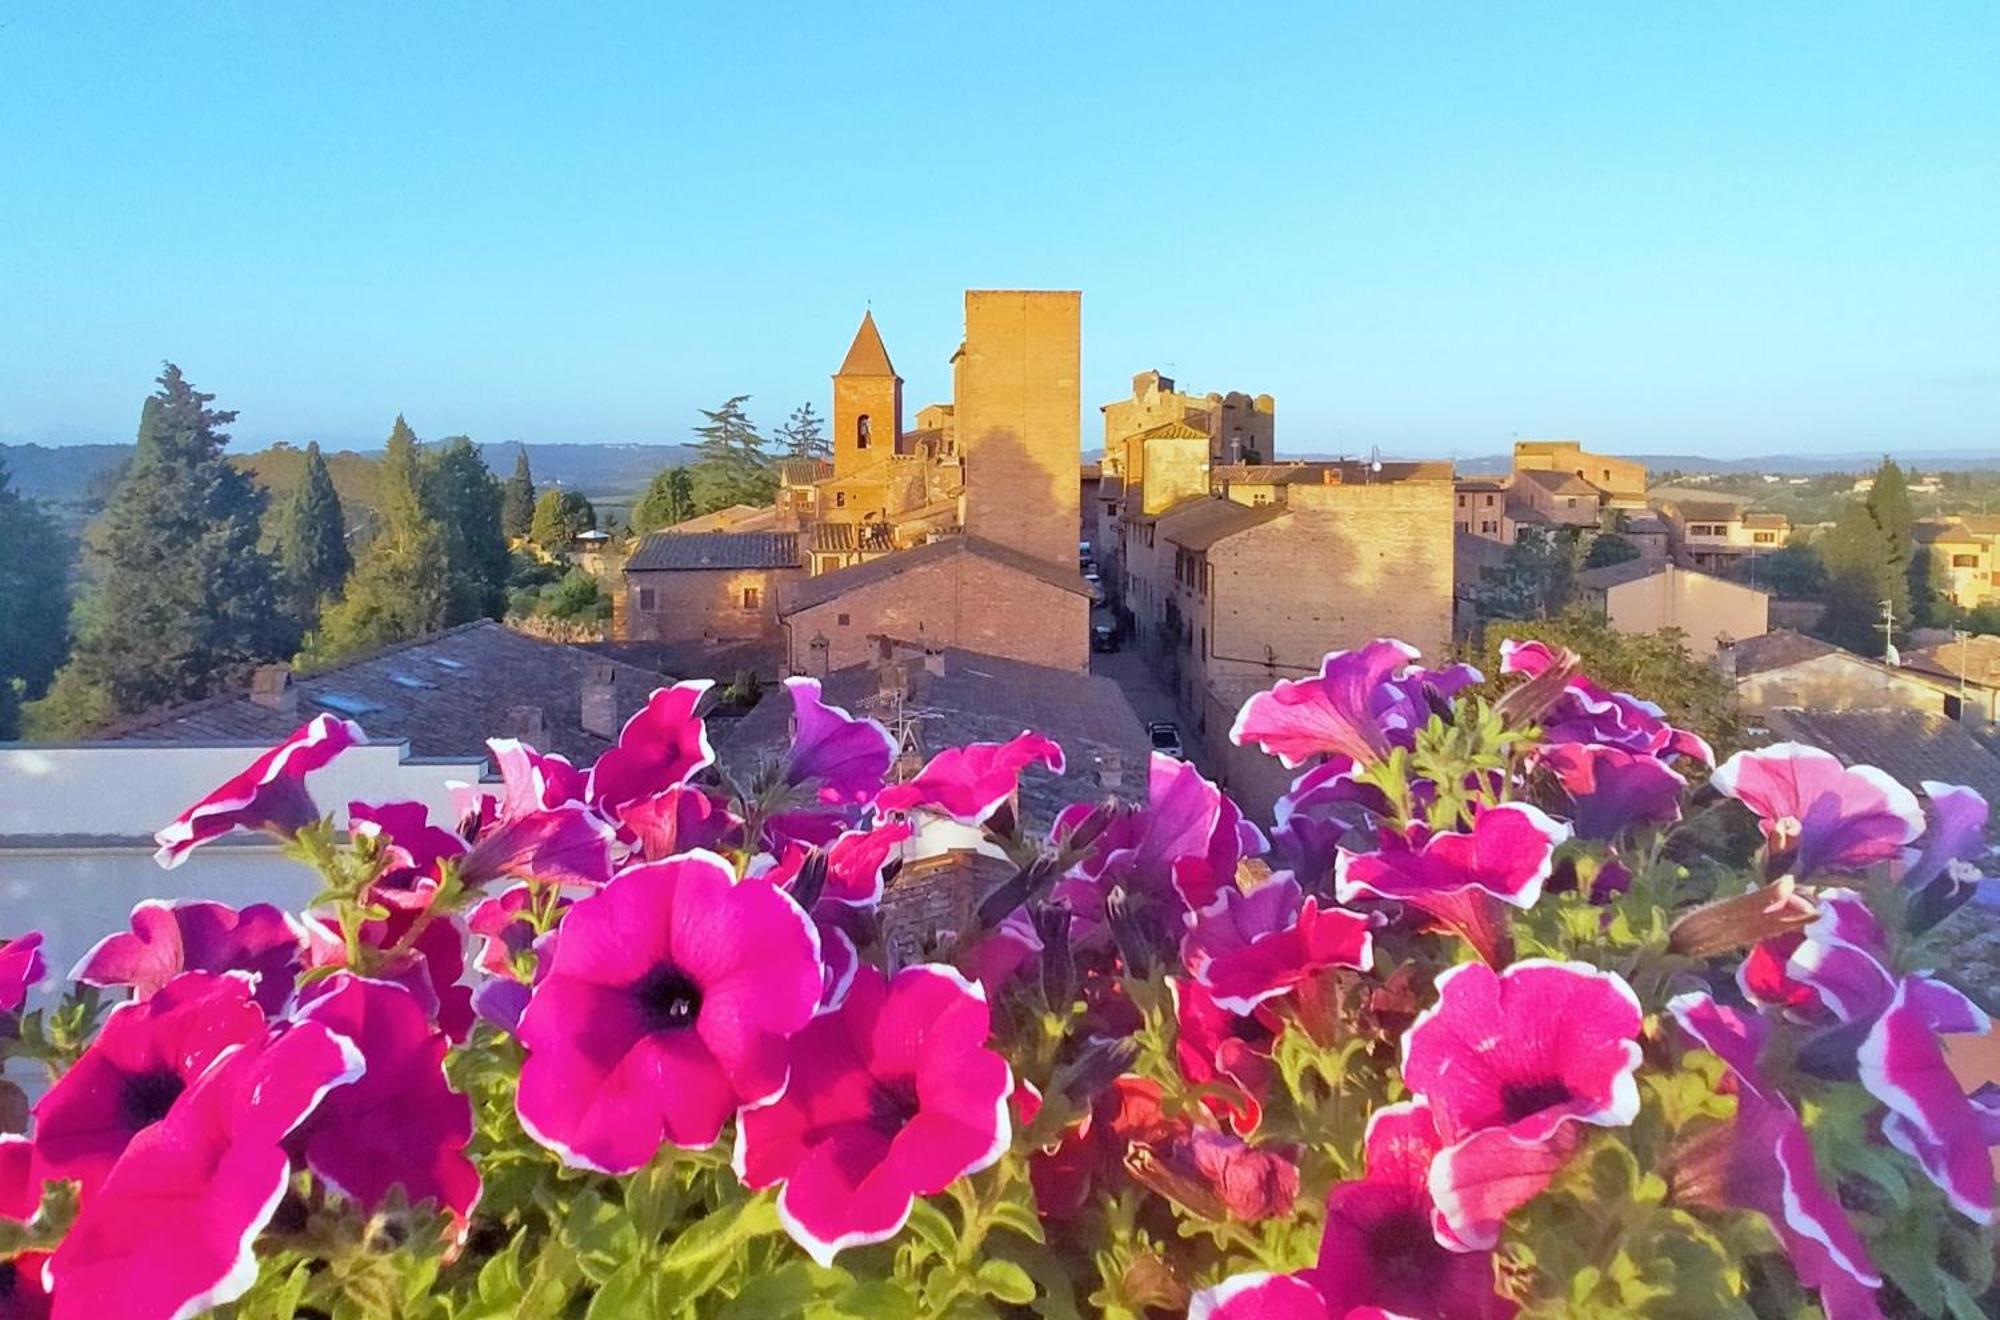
x: 1334, y: 713
x: 20, y: 1182
x: 1213, y: 1045
x: 147, y: 1055
x: 844, y: 758
x: 195, y: 935
x: 668, y: 1000
x: 1614, y: 790
x: 400, y: 1123
x: 534, y: 781
x: 970, y: 783
x: 1213, y: 1174
x: 1587, y: 713
x: 412, y: 850
x: 1247, y: 948
x: 664, y: 744
x: 1509, y: 1062
x: 1461, y: 878
x: 1762, y: 1160
x: 1817, y: 814
x: 1931, y: 1118
x: 22, y: 967
x: 894, y: 1096
x: 269, y: 795
x: 855, y: 864
x: 500, y: 924
x: 169, y: 1231
x: 565, y: 845
x: 679, y: 820
x: 1143, y: 850
x: 432, y: 969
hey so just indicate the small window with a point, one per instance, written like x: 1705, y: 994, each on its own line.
x: 841, y: 619
x: 1965, y: 561
x: 647, y: 600
x: 861, y: 431
x: 753, y: 598
x: 840, y: 496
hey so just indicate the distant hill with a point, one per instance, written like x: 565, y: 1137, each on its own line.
x: 1802, y: 465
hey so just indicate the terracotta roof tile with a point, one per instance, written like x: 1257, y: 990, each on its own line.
x: 681, y: 551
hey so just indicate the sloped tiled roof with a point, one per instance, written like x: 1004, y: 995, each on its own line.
x: 803, y: 471
x: 1706, y: 510
x: 841, y: 537
x: 734, y: 518
x: 445, y: 695
x: 1617, y: 575
x: 1557, y: 483
x: 866, y: 356
x: 1911, y: 746
x: 1977, y: 658
x: 796, y: 596
x: 1198, y: 525
x: 679, y: 551
x: 1171, y: 431
x: 1767, y: 522
x: 1778, y: 649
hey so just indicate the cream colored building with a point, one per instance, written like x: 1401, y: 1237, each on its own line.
x: 1647, y: 595
x: 1620, y: 481
x: 1964, y: 551
x: 1715, y: 534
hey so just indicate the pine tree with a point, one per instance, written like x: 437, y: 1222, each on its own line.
x: 1858, y: 579
x: 560, y: 517
x: 402, y: 586
x: 517, y: 506
x: 804, y: 436
x: 466, y: 502
x: 669, y: 499
x: 182, y: 602
x: 312, y: 540
x: 730, y: 465
x: 34, y: 582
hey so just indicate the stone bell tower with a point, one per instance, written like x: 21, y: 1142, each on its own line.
x: 867, y: 403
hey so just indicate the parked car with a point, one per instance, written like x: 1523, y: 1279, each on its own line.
x: 1166, y: 736
x: 1103, y: 637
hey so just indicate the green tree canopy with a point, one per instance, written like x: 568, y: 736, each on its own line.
x: 312, y: 540
x: 182, y: 602
x: 1859, y: 577
x: 730, y: 465
x: 517, y: 505
x: 402, y: 586
x: 669, y: 499
x: 34, y: 586
x: 1889, y: 506
x: 560, y: 517
x: 1793, y: 572
x: 804, y: 435
x: 1610, y: 549
x: 466, y: 504
x: 1537, y: 580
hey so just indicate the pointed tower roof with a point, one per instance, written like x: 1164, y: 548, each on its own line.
x: 866, y: 356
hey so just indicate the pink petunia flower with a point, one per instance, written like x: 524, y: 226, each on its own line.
x: 563, y: 845
x: 432, y: 968
x: 412, y: 850
x: 1261, y: 1295
x: 1510, y: 1062
x: 670, y: 995
x: 1461, y: 878
x: 856, y: 862
x: 970, y: 783
x: 533, y: 781
x: 1817, y: 814
x: 665, y: 743
x: 681, y: 819
x: 194, y: 935
x: 147, y: 1055
x: 1931, y: 1118
x: 1334, y: 713
x: 400, y: 1123
x: 1588, y: 713
x: 1213, y: 1045
x: 269, y: 795
x: 1762, y: 1160
x: 1614, y: 790
x: 22, y: 967
x: 1248, y: 948
x: 894, y: 1096
x: 844, y: 758
x: 169, y: 1231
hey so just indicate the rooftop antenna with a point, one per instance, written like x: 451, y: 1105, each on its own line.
x: 1889, y: 654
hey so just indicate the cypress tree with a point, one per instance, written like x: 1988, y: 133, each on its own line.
x: 182, y: 601
x: 466, y: 505
x: 1858, y: 580
x: 312, y: 540
x: 402, y: 586
x: 1889, y: 506
x: 34, y: 580
x: 517, y: 505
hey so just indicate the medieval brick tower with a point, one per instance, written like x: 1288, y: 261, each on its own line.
x: 1016, y: 383
x: 867, y: 403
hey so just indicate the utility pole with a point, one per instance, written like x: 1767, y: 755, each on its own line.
x: 1889, y: 655
x: 1961, y: 635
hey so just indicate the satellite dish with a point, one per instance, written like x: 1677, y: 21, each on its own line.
x: 1374, y: 458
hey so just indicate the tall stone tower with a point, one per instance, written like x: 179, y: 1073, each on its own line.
x: 867, y: 403
x: 1019, y: 408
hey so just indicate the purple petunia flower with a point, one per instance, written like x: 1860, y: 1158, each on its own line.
x: 1247, y: 948
x: 664, y: 744
x: 668, y: 1000
x: 1817, y: 814
x: 970, y: 783
x: 1377, y: 1254
x: 894, y: 1096
x: 400, y: 1124
x: 169, y: 1231
x: 681, y: 819
x: 844, y: 758
x: 1334, y: 713
x: 1587, y: 713
x: 1762, y: 1160
x: 1510, y: 1062
x: 1944, y: 872
x: 147, y: 1055
x: 1613, y: 790
x: 269, y: 795
x: 22, y: 967
x: 534, y: 781
x: 1154, y: 850
x: 1461, y: 878
x: 1931, y: 1118
x: 565, y: 845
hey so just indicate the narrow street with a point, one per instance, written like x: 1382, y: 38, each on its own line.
x: 1150, y: 701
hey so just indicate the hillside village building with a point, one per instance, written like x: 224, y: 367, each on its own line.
x: 959, y: 532
x: 1716, y: 535
x: 1555, y: 484
x: 1964, y: 552
x: 1647, y: 595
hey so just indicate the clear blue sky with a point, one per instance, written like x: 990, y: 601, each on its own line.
x: 1731, y: 229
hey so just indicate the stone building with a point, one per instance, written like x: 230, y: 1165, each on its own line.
x: 1620, y: 482
x: 1964, y: 551
x: 1716, y: 534
x: 1240, y: 428
x: 708, y: 586
x: 1647, y: 595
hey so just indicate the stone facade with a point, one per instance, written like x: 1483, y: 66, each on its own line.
x: 685, y: 605
x: 1645, y: 596
x: 1018, y: 408
x: 867, y: 403
x: 1240, y: 428
x: 1622, y: 481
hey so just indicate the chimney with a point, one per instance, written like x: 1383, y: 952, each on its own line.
x: 597, y: 712
x: 524, y: 723
x: 1110, y: 770
x: 271, y: 687
x: 892, y: 679
x: 934, y: 663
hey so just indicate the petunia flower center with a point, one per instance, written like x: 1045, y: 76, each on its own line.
x: 149, y: 1095
x: 669, y: 999
x: 891, y: 1105
x: 1403, y: 1249
x: 1521, y: 1099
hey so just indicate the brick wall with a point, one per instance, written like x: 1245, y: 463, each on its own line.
x: 880, y: 400
x: 690, y: 604
x: 959, y: 600
x: 1019, y: 420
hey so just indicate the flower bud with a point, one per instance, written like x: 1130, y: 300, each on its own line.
x: 1051, y: 921
x: 810, y: 882
x: 1739, y: 922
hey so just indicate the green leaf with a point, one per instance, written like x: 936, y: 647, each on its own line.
x: 629, y: 1293
x: 704, y: 1253
x: 600, y: 1234
x: 1008, y: 1282
x: 1017, y: 1218
x: 934, y: 1229
x: 883, y: 1299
